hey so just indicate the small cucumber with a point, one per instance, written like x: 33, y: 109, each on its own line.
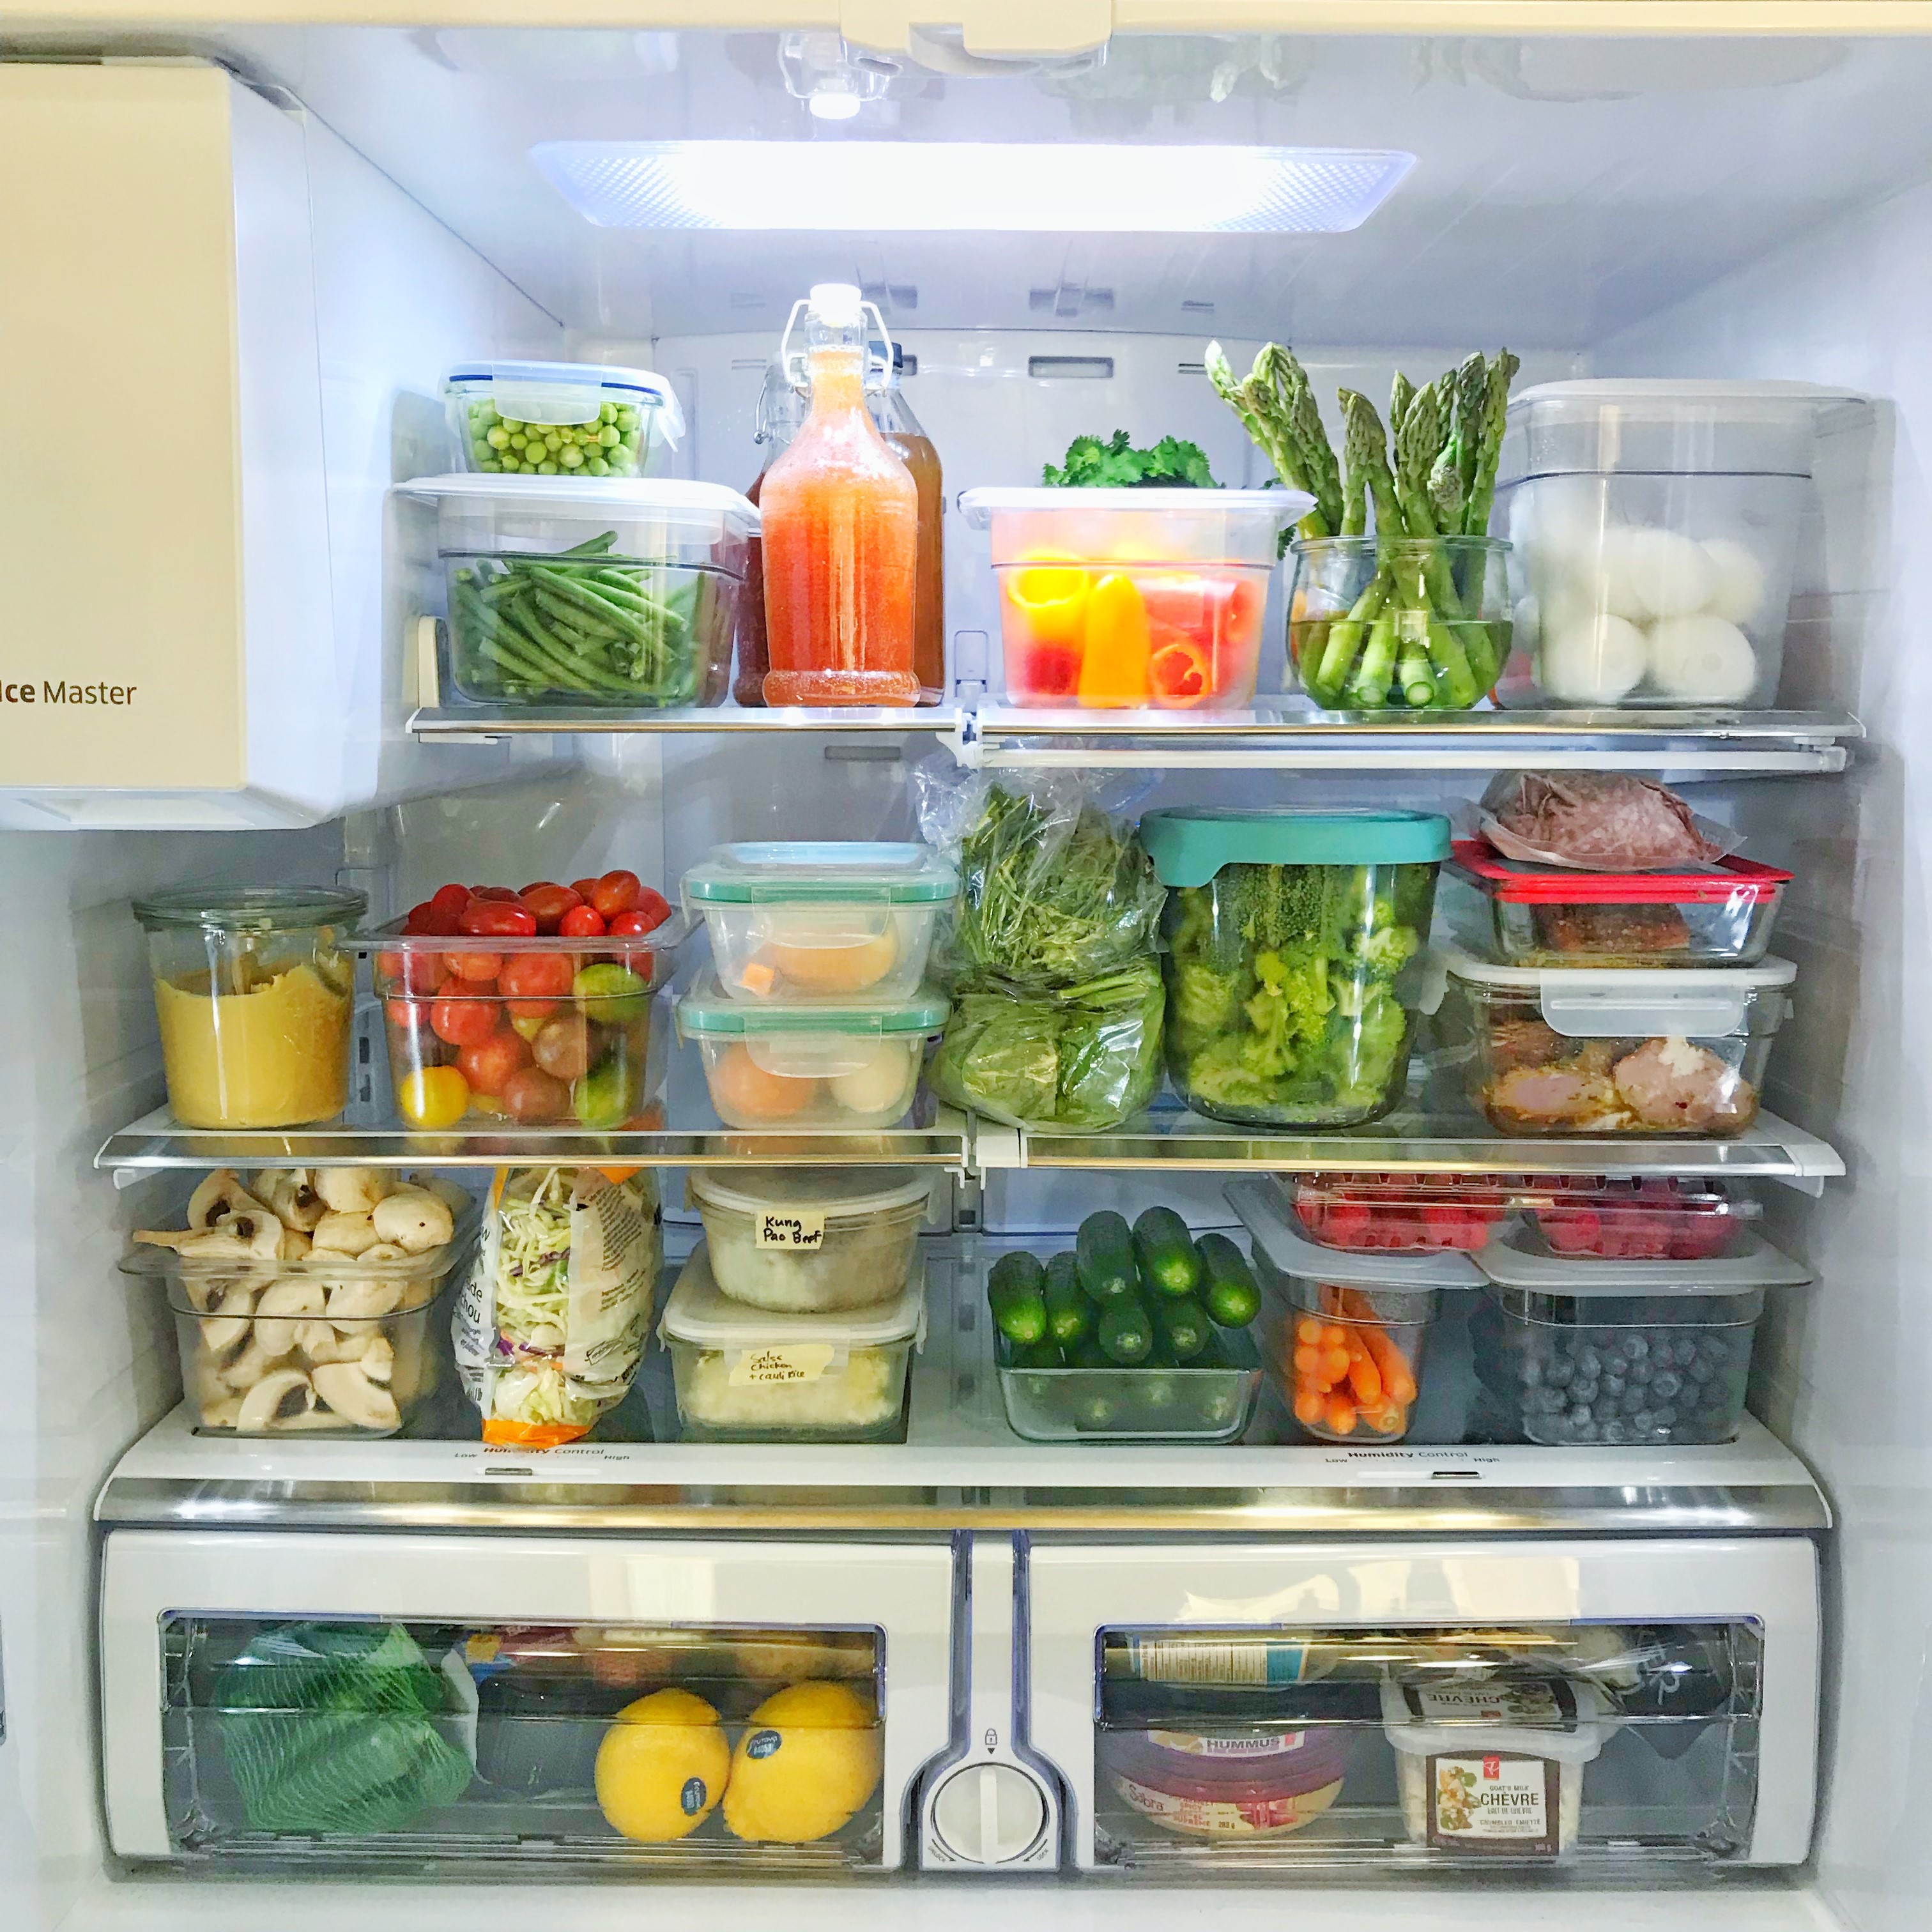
x: 1016, y: 1287
x: 1070, y: 1315
x: 1126, y: 1334
x: 1037, y: 1355
x: 1182, y: 1328
x: 1231, y: 1297
x: 1169, y: 1266
x: 1103, y: 1252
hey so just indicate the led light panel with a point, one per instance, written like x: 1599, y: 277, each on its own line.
x: 927, y: 185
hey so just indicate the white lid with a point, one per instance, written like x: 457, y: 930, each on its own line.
x: 706, y: 511
x: 556, y: 393
x: 1268, y: 1217
x: 1279, y: 508
x: 1506, y: 1714
x: 1608, y: 1002
x: 698, y: 1314
x: 1518, y: 1258
x: 837, y: 304
x: 847, y: 1191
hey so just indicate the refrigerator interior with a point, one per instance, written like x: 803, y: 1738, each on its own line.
x: 1735, y: 208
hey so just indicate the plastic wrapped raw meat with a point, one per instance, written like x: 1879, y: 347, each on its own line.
x: 1597, y: 822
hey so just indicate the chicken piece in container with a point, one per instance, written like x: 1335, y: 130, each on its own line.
x: 555, y: 1318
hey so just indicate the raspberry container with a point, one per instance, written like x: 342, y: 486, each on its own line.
x: 1397, y: 1213
x: 1655, y: 1218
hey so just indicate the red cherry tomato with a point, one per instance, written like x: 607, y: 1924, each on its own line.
x: 451, y: 899
x: 477, y: 970
x: 464, y: 1022
x: 537, y: 975
x: 438, y: 922
x: 1048, y: 671
x: 488, y: 1063
x: 583, y: 888
x: 532, y: 1094
x: 632, y: 924
x: 414, y: 969
x: 491, y: 892
x: 548, y: 903
x: 535, y: 885
x: 616, y: 892
x: 582, y: 921
x: 500, y: 919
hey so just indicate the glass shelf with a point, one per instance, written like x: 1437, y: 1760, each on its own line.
x: 465, y: 724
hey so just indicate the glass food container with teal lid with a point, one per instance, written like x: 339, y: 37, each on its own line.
x: 1287, y: 934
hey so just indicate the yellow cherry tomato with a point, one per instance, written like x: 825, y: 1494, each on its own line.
x: 433, y: 1096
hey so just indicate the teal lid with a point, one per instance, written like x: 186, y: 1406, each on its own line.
x: 1189, y: 844
x: 708, y: 1009
x: 824, y: 871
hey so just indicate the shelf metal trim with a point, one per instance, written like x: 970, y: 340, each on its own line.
x: 477, y: 723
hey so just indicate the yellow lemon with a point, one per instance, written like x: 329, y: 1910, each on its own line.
x: 809, y: 1759
x: 661, y: 1767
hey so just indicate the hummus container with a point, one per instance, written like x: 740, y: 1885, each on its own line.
x: 1231, y: 1784
x: 254, y: 995
x: 746, y: 1374
x: 807, y: 1239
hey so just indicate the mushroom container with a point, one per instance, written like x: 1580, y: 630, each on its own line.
x: 277, y: 1342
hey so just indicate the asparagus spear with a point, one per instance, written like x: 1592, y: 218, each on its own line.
x: 1265, y: 414
x: 1417, y: 438
x: 1495, y: 410
x: 1305, y: 418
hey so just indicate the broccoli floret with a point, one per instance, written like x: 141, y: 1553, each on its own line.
x: 1222, y: 1074
x: 1288, y: 1011
x: 1203, y: 1001
x: 1388, y: 949
x: 1278, y: 907
x: 1363, y: 1053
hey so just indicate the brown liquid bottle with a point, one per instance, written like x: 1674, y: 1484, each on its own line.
x: 781, y: 410
x: 905, y: 437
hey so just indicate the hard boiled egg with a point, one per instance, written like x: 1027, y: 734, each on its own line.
x: 879, y: 1084
x: 1737, y: 580
x: 1648, y: 572
x: 1590, y: 660
x: 1702, y: 659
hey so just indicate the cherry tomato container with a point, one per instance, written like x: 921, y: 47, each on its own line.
x: 1115, y: 599
x: 543, y: 1031
x: 1397, y: 1213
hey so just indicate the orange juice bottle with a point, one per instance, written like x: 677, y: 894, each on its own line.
x: 841, y: 514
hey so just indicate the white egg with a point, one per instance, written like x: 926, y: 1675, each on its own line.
x: 877, y: 1084
x: 1526, y: 623
x: 1737, y: 580
x: 1593, y: 661
x: 1702, y: 659
x: 1615, y: 582
x: 1672, y: 574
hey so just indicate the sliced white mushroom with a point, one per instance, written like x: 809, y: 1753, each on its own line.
x: 362, y: 1300
x: 253, y: 1364
x: 340, y: 1234
x: 378, y: 1359
x: 383, y: 1251
x: 415, y: 1220
x: 292, y: 1195
x: 254, y: 1233
x: 319, y: 1342
x: 295, y: 1245
x: 261, y: 1407
x: 453, y: 1195
x: 177, y: 1238
x: 351, y: 1190
x: 221, y: 1193
x: 282, y: 1308
x: 221, y: 1411
x: 355, y: 1398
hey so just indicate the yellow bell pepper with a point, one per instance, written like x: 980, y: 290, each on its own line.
x: 1052, y: 601
x: 1114, y: 667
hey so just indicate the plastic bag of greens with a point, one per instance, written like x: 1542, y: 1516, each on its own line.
x: 1053, y: 890
x: 1079, y: 1060
x: 553, y: 1322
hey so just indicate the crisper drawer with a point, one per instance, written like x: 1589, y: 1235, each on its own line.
x: 277, y: 1699
x: 1597, y: 1705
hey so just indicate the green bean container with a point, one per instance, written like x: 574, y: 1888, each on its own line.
x: 1292, y: 940
x: 587, y: 591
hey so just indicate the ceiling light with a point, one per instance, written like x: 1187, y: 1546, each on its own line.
x: 924, y: 185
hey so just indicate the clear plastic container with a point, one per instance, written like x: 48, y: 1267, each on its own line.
x: 1653, y: 526
x: 538, y: 1030
x: 810, y: 1239
x: 748, y: 1374
x: 578, y: 419
x: 1654, y: 1218
x: 1231, y: 1784
x: 853, y: 1066
x: 582, y: 591
x: 1715, y: 915
x: 1634, y: 1051
x: 1397, y: 1213
x: 1616, y: 1353
x: 1106, y: 1402
x: 253, y: 995
x: 820, y: 922
x: 1120, y: 598
x: 1287, y: 936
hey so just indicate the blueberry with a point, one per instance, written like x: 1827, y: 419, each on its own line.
x: 1643, y: 1422
x: 1684, y: 1352
x: 1532, y: 1373
x: 1616, y: 1432
x: 1613, y: 1385
x: 1559, y: 1371
x: 1700, y: 1370
x: 1585, y: 1431
x: 1666, y: 1415
x: 1666, y: 1384
x: 1635, y: 1401
x: 1639, y: 1372
x: 1589, y: 1361
x: 1636, y: 1347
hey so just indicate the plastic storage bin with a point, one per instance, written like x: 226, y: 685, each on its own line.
x: 253, y: 995
x: 559, y: 419
x: 540, y: 1030
x: 583, y: 591
x: 819, y: 921
x: 1397, y: 1213
x: 1287, y: 935
x: 747, y: 1375
x: 1108, y: 1402
x: 1653, y: 526
x: 1527, y: 915
x: 1642, y: 1051
x: 1119, y: 598
x: 811, y: 1239
x: 850, y: 1065
x: 1621, y: 1352
x: 1652, y: 1219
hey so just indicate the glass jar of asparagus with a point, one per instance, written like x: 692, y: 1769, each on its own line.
x: 1414, y: 615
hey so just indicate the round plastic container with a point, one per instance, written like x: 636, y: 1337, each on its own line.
x: 768, y: 1066
x: 583, y: 591
x: 254, y: 995
x: 559, y: 419
x: 1653, y: 526
x: 810, y: 1239
x: 1123, y: 597
x: 1231, y: 1784
x: 541, y: 1031
x: 1399, y: 623
x: 1286, y: 936
x: 746, y: 1374
x: 1639, y: 1051
x: 818, y: 922
x: 1527, y: 915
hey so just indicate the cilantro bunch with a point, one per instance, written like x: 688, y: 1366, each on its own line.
x: 1091, y: 464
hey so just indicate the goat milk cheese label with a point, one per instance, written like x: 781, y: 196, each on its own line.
x: 1494, y: 1800
x: 797, y: 1230
x: 782, y: 1362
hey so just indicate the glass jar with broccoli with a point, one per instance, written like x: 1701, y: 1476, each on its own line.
x: 1286, y: 937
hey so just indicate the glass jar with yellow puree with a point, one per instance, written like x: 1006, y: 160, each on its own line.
x: 254, y: 1000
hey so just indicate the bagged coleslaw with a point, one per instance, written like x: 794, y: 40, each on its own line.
x: 553, y: 1321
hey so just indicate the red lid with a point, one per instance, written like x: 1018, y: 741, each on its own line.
x: 1517, y: 883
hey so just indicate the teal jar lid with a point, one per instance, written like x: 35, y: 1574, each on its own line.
x: 1189, y: 844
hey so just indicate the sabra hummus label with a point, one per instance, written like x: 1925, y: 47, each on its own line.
x: 1494, y: 1800
x: 792, y: 1362
x: 1218, y: 1818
